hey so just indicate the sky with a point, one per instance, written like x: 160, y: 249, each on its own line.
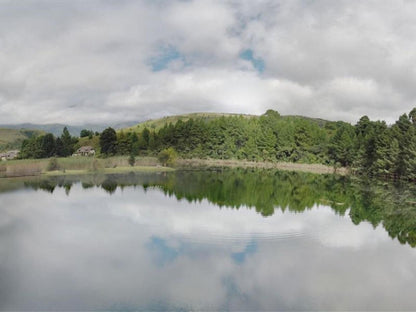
x: 107, y: 61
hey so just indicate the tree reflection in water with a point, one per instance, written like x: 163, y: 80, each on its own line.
x: 378, y: 202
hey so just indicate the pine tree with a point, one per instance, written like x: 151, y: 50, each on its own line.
x: 108, y: 142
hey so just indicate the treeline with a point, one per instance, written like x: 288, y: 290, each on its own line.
x: 269, y: 137
x: 370, y: 147
x: 48, y: 145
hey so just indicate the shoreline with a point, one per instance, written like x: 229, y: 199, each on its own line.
x: 287, y: 166
x: 117, y: 170
x: 119, y: 164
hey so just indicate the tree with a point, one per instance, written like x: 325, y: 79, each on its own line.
x: 32, y: 148
x: 123, y: 143
x: 59, y: 147
x: 108, y: 141
x: 48, y: 145
x: 168, y: 156
x: 68, y: 143
x: 143, y: 141
x: 86, y: 133
x: 132, y: 160
x: 341, y: 147
x: 412, y: 115
x: 134, y: 147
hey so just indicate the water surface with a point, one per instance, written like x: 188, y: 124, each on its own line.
x: 210, y: 240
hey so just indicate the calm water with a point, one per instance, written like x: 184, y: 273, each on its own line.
x: 210, y: 240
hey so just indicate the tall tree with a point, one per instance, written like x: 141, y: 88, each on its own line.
x: 68, y: 143
x: 108, y: 141
x: 48, y: 145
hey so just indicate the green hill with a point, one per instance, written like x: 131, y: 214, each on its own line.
x: 157, y: 124
x: 13, y: 138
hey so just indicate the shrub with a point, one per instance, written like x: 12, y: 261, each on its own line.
x: 167, y: 156
x: 132, y: 160
x: 52, y: 164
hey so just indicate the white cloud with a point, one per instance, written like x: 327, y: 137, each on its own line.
x: 68, y: 61
x: 64, y: 245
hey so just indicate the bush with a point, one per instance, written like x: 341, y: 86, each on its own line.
x: 52, y: 164
x: 167, y: 156
x: 132, y: 160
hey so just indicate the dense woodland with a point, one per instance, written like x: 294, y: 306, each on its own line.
x: 369, y: 147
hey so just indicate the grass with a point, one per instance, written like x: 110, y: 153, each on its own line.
x: 119, y: 164
x: 287, y: 166
x: 13, y: 138
x: 77, y: 165
x: 110, y: 170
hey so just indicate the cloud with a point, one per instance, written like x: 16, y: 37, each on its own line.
x: 107, y: 61
x: 154, y: 249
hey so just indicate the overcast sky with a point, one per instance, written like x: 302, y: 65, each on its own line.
x: 110, y: 61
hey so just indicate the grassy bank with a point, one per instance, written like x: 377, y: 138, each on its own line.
x: 313, y: 168
x: 120, y: 164
x: 77, y: 165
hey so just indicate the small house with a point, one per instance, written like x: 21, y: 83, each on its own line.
x: 85, y: 151
x: 9, y: 155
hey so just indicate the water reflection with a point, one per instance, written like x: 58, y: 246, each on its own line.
x: 159, y: 242
x: 389, y: 204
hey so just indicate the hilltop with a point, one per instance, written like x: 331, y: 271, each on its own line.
x: 158, y: 123
x: 57, y: 128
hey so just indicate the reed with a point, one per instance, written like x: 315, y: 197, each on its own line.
x: 32, y: 167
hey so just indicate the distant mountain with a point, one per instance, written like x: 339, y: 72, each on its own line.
x: 56, y: 129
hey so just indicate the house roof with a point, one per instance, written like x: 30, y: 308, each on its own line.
x: 84, y: 149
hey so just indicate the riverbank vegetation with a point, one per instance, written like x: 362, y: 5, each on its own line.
x: 370, y: 148
x: 70, y: 165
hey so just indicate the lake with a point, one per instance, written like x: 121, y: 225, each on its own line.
x: 216, y: 239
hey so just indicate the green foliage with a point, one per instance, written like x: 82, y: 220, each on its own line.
x: 48, y: 145
x: 53, y: 164
x: 131, y: 160
x: 341, y: 145
x: 370, y: 148
x: 11, y: 139
x: 32, y: 148
x: 86, y: 133
x: 123, y: 144
x: 168, y: 156
x: 108, y: 142
x: 68, y: 143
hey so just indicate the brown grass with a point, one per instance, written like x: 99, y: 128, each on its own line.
x: 33, y: 167
x: 313, y: 168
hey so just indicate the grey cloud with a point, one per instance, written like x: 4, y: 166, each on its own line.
x: 346, y: 59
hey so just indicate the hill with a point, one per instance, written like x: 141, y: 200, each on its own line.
x: 13, y: 138
x: 56, y: 129
x: 157, y: 124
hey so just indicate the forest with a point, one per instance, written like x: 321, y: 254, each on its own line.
x: 371, y: 148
